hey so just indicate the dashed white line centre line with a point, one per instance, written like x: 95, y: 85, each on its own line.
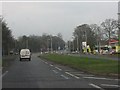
x: 51, y: 65
x: 110, y: 85
x: 84, y: 75
x: 58, y: 68
x: 64, y: 76
x: 72, y: 75
x: 99, y: 78
x: 55, y: 71
x: 46, y: 63
x: 43, y: 61
x: 95, y: 86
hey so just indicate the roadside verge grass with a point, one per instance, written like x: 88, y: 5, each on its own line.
x: 7, y: 61
x: 90, y: 65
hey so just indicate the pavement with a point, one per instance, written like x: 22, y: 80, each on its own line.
x: 39, y: 73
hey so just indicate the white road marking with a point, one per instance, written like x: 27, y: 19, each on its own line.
x: 4, y: 73
x: 55, y: 71
x: 46, y: 63
x: 43, y: 61
x: 110, y: 85
x: 75, y: 72
x: 51, y: 65
x: 99, y: 78
x: 64, y: 77
x: 95, y: 86
x: 58, y: 68
x: 72, y: 75
x: 84, y: 75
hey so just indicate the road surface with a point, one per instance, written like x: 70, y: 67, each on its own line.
x: 39, y: 73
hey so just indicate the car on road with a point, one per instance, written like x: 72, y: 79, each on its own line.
x: 25, y: 54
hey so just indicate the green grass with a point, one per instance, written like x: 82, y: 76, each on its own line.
x: 7, y: 60
x: 91, y: 65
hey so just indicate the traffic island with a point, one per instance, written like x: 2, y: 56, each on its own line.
x: 95, y: 66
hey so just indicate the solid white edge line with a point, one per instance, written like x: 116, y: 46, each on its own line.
x: 100, y: 78
x: 72, y: 75
x: 84, y: 75
x: 64, y: 76
x: 95, y: 86
x: 4, y: 73
x: 58, y: 68
x: 110, y: 85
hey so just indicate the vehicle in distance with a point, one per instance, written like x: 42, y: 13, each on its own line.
x: 25, y: 54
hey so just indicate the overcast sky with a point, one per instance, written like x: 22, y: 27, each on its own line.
x: 52, y: 18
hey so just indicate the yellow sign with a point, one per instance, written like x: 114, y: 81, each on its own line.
x: 117, y: 48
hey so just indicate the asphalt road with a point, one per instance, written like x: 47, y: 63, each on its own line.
x: 39, y: 73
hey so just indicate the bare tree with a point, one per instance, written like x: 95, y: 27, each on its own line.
x: 83, y: 33
x: 110, y: 27
x: 59, y: 35
x: 98, y: 32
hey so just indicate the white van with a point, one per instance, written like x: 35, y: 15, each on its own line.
x: 25, y: 54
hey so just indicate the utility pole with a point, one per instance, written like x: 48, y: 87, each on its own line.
x: 73, y: 42
x: 73, y: 45
x: 77, y: 44
x: 69, y: 45
x: 47, y: 45
x: 51, y: 44
x: 27, y: 43
x: 86, y: 36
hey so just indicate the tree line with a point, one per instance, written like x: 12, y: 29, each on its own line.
x: 40, y: 43
x: 7, y: 37
x: 92, y: 34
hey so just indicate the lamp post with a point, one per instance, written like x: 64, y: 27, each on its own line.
x: 51, y: 43
x: 77, y: 43
x: 69, y: 49
x: 73, y: 43
x: 48, y: 45
x: 86, y: 36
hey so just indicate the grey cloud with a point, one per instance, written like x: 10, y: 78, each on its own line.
x: 38, y: 18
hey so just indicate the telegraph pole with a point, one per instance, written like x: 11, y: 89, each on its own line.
x: 77, y: 44
x: 51, y: 44
x: 86, y: 36
x: 73, y: 42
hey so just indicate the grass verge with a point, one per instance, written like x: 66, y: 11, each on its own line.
x: 7, y: 61
x: 91, y: 65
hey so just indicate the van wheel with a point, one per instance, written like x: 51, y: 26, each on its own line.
x: 20, y: 59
